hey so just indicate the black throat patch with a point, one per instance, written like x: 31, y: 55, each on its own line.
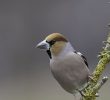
x: 49, y: 53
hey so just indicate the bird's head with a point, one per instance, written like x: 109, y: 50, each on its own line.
x: 53, y: 43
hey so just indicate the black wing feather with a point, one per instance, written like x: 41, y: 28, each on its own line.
x: 83, y: 57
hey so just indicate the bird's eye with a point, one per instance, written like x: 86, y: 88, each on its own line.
x: 51, y: 42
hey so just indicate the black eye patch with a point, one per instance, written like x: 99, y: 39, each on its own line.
x: 51, y: 42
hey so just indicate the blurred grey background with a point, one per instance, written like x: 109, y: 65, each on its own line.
x: 24, y: 70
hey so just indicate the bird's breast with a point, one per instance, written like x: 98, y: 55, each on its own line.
x: 70, y: 72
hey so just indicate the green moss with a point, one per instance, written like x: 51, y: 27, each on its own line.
x: 94, y: 86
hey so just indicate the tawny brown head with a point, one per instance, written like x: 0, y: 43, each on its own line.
x: 54, y: 42
x: 56, y: 37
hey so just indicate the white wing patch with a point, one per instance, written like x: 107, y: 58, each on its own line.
x: 83, y: 57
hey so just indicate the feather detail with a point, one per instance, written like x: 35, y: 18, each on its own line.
x: 83, y: 57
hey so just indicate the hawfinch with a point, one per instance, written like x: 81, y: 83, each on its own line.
x: 69, y: 68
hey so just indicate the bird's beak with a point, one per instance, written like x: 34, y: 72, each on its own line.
x: 43, y: 45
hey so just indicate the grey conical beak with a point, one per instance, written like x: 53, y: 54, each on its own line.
x: 43, y: 45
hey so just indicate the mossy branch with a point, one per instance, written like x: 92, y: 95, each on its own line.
x: 90, y: 92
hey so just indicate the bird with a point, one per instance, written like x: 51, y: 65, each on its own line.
x: 69, y: 67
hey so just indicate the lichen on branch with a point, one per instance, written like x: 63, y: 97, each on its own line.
x: 90, y: 92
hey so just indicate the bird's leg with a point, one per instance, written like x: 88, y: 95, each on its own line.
x: 81, y: 92
x: 103, y: 81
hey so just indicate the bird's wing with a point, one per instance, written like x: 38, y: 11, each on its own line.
x: 83, y: 57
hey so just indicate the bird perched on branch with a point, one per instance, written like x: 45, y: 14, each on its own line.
x: 69, y: 68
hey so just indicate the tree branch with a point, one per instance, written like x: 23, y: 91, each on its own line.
x: 90, y: 92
